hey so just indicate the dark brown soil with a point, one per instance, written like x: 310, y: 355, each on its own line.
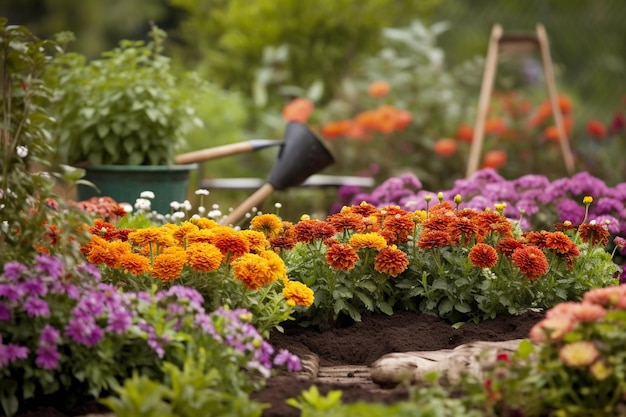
x: 363, y: 342
x: 357, y: 344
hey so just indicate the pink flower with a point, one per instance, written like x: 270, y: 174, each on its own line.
x: 581, y: 353
x: 607, y: 297
x: 550, y: 329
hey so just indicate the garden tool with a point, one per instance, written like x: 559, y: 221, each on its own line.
x: 226, y: 150
x: 516, y: 43
x: 301, y: 155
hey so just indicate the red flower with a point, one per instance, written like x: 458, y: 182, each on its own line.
x: 596, y: 129
x: 531, y: 262
x: 391, y: 261
x: 298, y: 110
x: 341, y: 256
x: 483, y: 256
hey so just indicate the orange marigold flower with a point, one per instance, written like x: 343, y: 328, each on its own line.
x: 341, y: 257
x: 103, y: 229
x: 551, y: 133
x: 445, y: 147
x: 185, y: 228
x: 143, y: 237
x: 550, y: 329
x: 385, y: 117
x: 365, y: 209
x: 296, y: 293
x: 508, y: 245
x: 391, y: 261
x: 201, y: 235
x: 431, y: 239
x: 495, y: 126
x: 336, y: 129
x: 465, y: 133
x: 229, y: 242
x: 596, y: 129
x: 378, y: 89
x: 483, y: 256
x: 580, y: 353
x: 403, y: 119
x: 565, y: 104
x: 371, y: 240
x: 309, y: 230
x: 531, y: 262
x: 298, y: 110
x: 253, y: 270
x: 346, y: 220
x: 168, y: 266
x: 269, y: 224
x: 204, y: 223
x: 594, y: 234
x: 401, y: 225
x: 282, y: 242
x: 558, y: 242
x: 494, y: 159
x: 257, y: 240
x: 204, y: 257
x: 536, y: 238
x: 135, y: 263
x: 463, y: 229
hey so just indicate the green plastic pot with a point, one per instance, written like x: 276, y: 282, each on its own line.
x: 125, y: 183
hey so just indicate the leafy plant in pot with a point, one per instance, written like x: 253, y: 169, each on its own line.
x: 127, y: 110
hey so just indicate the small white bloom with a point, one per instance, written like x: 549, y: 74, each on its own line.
x: 202, y: 191
x: 127, y: 207
x: 278, y: 205
x: 142, y: 204
x: 196, y: 216
x: 147, y: 194
x: 22, y: 151
x: 186, y: 205
x: 178, y: 215
x: 5, y: 225
x: 592, y: 222
x: 214, y: 214
x: 201, y: 209
x: 215, y: 206
x: 175, y: 205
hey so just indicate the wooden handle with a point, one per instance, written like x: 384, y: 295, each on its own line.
x: 214, y: 153
x: 254, y: 200
x: 483, y: 101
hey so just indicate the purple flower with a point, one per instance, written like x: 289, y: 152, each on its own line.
x: 47, y: 357
x: 49, y: 265
x: 36, y: 307
x: 35, y: 287
x: 90, y: 269
x: 528, y: 206
x: 611, y: 222
x: 184, y: 293
x: 5, y: 312
x: 607, y: 205
x: 531, y: 181
x: 571, y: 210
x: 11, y: 292
x: 119, y: 320
x: 13, y: 270
x: 49, y: 336
x: 84, y: 330
x: 583, y: 183
x: 284, y: 357
x: 11, y: 353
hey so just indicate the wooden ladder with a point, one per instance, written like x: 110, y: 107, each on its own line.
x: 496, y: 42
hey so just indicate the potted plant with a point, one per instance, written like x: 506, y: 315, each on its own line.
x: 126, y: 110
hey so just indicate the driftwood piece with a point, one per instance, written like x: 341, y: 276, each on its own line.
x: 410, y: 367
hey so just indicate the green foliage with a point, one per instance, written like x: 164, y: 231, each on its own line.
x: 433, y: 402
x: 325, y: 38
x: 127, y: 108
x: 193, y: 389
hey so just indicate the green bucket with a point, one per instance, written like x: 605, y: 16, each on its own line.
x: 125, y: 183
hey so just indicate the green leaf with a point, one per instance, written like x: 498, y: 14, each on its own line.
x: 445, y: 307
x: 10, y: 404
x: 462, y: 307
x: 385, y: 307
x: 525, y: 349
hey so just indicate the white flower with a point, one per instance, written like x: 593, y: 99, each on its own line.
x: 214, y: 214
x: 175, y: 205
x: 127, y: 207
x: 22, y: 151
x: 178, y: 215
x: 186, y: 205
x: 201, y: 209
x: 142, y: 204
x: 147, y: 194
x: 215, y: 206
x: 278, y: 205
x: 202, y: 191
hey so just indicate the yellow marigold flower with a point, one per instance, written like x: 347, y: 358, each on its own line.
x: 268, y: 224
x: 253, y: 270
x: 296, y: 293
x: 145, y: 236
x: 368, y: 240
x: 277, y: 265
x: 581, y: 353
x: 165, y: 237
x: 600, y: 371
x: 204, y: 257
x: 135, y: 263
x: 587, y: 199
x: 204, y: 223
x: 181, y: 232
x: 168, y: 266
x: 391, y: 261
x: 257, y: 240
x: 419, y: 215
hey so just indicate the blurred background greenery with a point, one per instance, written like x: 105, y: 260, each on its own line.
x: 259, y: 55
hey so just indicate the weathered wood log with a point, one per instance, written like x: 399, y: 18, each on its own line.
x: 450, y: 364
